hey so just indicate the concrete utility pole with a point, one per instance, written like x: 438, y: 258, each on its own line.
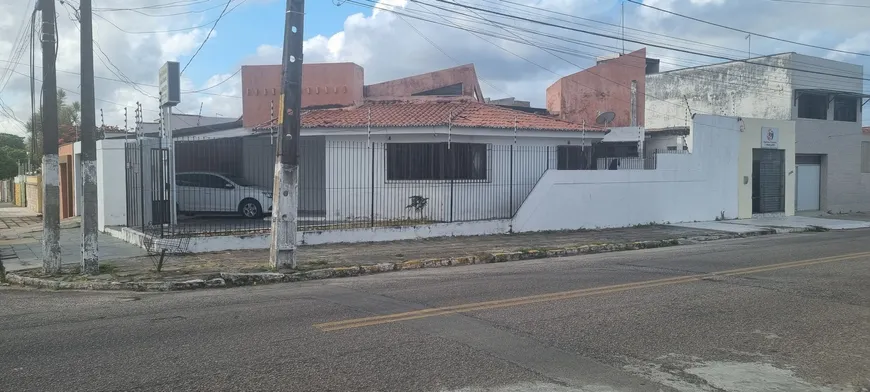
x: 90, y: 258
x: 285, y: 192
x: 50, y: 176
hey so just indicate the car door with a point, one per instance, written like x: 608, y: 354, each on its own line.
x: 221, y: 194
x: 185, y: 191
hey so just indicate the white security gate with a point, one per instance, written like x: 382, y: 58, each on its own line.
x: 809, y: 176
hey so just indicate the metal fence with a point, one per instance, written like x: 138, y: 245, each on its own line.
x: 224, y: 185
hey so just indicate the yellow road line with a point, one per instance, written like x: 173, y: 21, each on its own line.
x: 532, y: 299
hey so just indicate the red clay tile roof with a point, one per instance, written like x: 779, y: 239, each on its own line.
x: 468, y: 114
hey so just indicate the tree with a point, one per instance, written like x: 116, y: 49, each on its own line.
x: 12, y: 152
x: 69, y: 121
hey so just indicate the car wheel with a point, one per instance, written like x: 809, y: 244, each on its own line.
x: 250, y: 209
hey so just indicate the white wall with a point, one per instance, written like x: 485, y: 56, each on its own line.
x: 111, y: 180
x: 684, y: 187
x: 349, y: 169
x: 728, y: 89
x: 77, y: 177
x: 844, y: 188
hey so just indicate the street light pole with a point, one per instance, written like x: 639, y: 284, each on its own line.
x: 285, y: 192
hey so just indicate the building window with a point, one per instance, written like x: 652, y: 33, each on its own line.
x: 435, y: 161
x: 672, y: 148
x: 845, y: 109
x: 571, y: 158
x: 814, y: 106
x: 865, y: 157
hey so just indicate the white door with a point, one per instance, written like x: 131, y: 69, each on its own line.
x: 808, y: 179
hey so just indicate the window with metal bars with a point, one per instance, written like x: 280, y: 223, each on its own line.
x: 436, y: 161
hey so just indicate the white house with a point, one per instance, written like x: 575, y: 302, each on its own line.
x: 464, y: 159
x: 823, y: 97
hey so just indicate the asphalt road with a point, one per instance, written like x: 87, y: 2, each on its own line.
x: 781, y: 313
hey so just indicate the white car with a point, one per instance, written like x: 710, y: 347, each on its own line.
x: 199, y: 192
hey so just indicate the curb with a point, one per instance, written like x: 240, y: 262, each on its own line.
x: 227, y: 279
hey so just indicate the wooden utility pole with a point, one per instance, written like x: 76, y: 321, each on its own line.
x: 90, y: 258
x: 285, y: 192
x: 50, y: 176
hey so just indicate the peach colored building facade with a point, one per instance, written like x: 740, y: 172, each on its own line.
x: 342, y: 84
x: 606, y: 87
x: 328, y: 84
x: 461, y: 80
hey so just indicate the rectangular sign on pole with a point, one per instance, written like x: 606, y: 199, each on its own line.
x: 769, y: 137
x: 170, y: 84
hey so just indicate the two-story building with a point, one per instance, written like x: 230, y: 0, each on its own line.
x: 825, y: 99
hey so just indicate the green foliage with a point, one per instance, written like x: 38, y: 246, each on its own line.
x: 12, y: 151
x: 69, y: 120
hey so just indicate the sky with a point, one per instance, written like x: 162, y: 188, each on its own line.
x: 397, y: 38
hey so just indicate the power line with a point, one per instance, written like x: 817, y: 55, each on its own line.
x: 207, y: 36
x: 206, y: 24
x: 817, y: 3
x: 165, y: 15
x: 557, y: 37
x: 549, y: 70
x: 218, y: 84
x: 200, y: 91
x: 156, y: 6
x: 376, y: 6
x: 636, y: 41
x: 746, y: 31
x: 446, y: 54
x: 643, y: 32
x: 77, y: 93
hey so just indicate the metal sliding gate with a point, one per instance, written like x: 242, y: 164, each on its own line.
x: 135, y: 185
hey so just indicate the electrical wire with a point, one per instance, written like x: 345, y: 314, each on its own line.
x: 746, y: 31
x: 376, y: 6
x: 817, y: 3
x: 218, y: 84
x: 200, y: 91
x: 207, y: 36
x: 447, y: 55
x: 636, y: 41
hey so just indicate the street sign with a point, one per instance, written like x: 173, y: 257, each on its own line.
x: 769, y: 137
x: 170, y: 84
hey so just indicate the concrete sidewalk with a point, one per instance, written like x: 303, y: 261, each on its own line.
x: 21, y: 241
x: 786, y: 224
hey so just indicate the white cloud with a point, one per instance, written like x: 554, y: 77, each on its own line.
x: 858, y: 43
x: 388, y: 47
x: 118, y: 55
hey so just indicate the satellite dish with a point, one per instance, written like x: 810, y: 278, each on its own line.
x: 605, y: 118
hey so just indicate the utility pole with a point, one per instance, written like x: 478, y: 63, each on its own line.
x: 285, y: 192
x: 50, y: 177
x: 90, y: 257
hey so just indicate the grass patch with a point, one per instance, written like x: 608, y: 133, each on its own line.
x: 108, y: 268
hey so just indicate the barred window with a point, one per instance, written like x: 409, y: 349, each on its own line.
x: 435, y: 161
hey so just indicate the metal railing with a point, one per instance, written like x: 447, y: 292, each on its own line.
x: 224, y: 185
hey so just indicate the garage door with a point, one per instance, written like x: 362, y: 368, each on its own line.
x: 809, y: 176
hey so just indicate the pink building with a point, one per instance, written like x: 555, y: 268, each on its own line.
x: 326, y: 85
x: 606, y: 87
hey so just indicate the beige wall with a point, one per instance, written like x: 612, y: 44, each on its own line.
x: 750, y: 138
